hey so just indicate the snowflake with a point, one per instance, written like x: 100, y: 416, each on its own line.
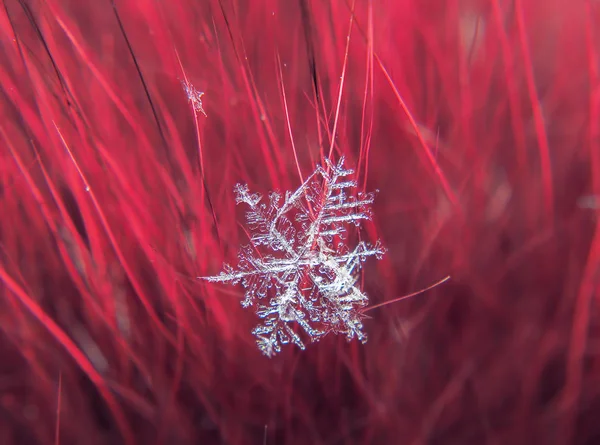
x: 194, y: 96
x: 298, y: 270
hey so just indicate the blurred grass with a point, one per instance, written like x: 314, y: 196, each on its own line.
x: 478, y: 123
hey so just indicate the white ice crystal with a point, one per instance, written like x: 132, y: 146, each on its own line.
x: 298, y: 270
x: 194, y: 96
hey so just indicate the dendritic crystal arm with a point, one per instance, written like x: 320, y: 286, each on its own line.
x: 298, y: 272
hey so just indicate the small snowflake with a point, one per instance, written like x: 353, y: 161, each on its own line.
x: 298, y: 270
x: 194, y: 96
